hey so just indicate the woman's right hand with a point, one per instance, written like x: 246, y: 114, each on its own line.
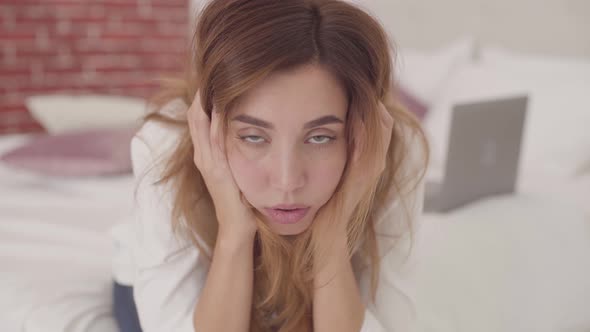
x: 234, y: 216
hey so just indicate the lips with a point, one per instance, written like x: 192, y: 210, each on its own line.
x: 286, y: 214
x: 288, y: 206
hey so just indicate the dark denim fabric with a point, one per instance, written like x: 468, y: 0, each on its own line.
x: 124, y: 308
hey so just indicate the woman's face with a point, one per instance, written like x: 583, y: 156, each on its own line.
x: 286, y: 145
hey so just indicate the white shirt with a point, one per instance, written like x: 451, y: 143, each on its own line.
x: 168, y: 274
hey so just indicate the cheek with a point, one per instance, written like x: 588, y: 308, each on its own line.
x: 246, y: 171
x: 326, y: 173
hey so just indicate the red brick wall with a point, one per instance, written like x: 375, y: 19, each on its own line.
x: 85, y: 46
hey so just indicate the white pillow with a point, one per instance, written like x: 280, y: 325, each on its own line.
x: 64, y: 113
x: 425, y: 73
x: 560, y: 65
x: 556, y: 140
x: 558, y: 134
x: 560, y: 86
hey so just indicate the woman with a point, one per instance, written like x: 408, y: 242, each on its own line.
x: 277, y: 181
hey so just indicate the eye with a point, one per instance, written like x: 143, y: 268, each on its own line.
x: 322, y: 139
x: 252, y: 139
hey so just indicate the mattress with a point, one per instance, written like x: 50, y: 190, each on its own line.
x: 54, y: 248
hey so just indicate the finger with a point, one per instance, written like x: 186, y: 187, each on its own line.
x: 217, y: 150
x: 385, y: 116
x: 193, y: 133
x: 359, y: 140
x: 386, y: 124
x: 387, y: 128
x: 200, y: 132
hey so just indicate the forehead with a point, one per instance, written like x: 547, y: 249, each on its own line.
x: 294, y: 97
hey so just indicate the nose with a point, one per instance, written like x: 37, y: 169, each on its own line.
x: 287, y: 172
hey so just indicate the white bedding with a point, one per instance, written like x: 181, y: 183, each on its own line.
x: 509, y: 263
x: 55, y: 250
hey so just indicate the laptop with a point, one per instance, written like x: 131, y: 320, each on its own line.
x: 483, y: 153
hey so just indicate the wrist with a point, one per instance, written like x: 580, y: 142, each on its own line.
x: 332, y: 261
x: 332, y: 249
x: 234, y: 240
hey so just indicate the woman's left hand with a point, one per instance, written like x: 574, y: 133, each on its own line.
x: 362, y: 175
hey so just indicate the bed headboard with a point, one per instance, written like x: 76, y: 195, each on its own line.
x: 551, y: 27
x: 80, y: 47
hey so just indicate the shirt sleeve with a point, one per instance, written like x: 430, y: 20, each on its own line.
x: 170, y: 272
x: 394, y: 308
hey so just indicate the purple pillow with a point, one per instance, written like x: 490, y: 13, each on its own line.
x: 90, y: 152
x: 413, y: 104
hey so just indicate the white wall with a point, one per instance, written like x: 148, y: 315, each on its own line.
x: 558, y: 27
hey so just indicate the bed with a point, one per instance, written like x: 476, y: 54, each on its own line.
x: 55, y: 248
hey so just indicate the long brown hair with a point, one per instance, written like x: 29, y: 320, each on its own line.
x: 238, y: 43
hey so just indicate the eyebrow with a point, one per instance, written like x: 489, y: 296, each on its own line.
x: 324, y: 120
